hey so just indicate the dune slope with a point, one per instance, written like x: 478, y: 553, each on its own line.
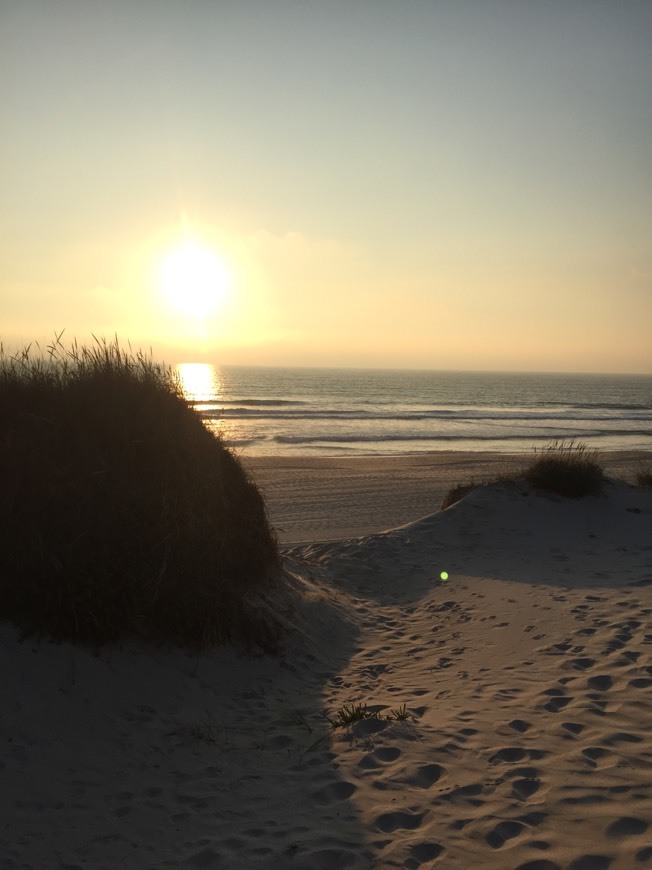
x: 527, y: 677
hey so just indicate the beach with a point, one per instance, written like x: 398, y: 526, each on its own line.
x: 326, y: 498
x: 460, y: 688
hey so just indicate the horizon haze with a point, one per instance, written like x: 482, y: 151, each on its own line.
x: 447, y: 185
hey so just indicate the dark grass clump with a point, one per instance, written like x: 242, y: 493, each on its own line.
x: 121, y: 515
x: 644, y: 477
x: 461, y: 490
x: 457, y: 492
x: 567, y: 468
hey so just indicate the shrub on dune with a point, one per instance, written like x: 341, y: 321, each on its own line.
x: 121, y: 514
x: 567, y: 468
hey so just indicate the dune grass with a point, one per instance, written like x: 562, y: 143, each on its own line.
x: 566, y: 468
x: 456, y: 493
x: 349, y: 714
x: 644, y: 476
x: 120, y: 514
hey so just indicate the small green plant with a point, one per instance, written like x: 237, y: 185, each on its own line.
x: 567, y: 468
x: 400, y: 715
x: 349, y: 714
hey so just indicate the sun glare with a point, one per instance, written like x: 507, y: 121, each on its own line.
x: 200, y: 383
x: 194, y: 280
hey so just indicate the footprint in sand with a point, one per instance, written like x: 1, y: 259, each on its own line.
x: 590, y: 862
x: 522, y: 789
x: 514, y: 754
x: 367, y: 727
x: 617, y: 642
x: 561, y: 647
x: 539, y: 864
x: 398, y: 820
x: 640, y: 683
x: 573, y: 727
x: 597, y: 707
x: 525, y: 782
x: 427, y: 776
x: 468, y: 732
x: 601, y: 682
x: 424, y: 852
x: 554, y: 705
x: 518, y: 725
x: 468, y: 793
x: 504, y: 831
x: 333, y: 793
x: 597, y: 756
x: 581, y: 664
x: 622, y: 737
x: 626, y: 826
x: 379, y: 757
x: 511, y: 754
x: 626, y: 658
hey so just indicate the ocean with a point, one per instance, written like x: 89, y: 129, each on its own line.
x: 356, y: 412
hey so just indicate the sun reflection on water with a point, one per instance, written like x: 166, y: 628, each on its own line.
x: 201, y: 384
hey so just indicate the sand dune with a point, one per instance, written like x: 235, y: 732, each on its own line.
x: 527, y: 677
x: 329, y: 498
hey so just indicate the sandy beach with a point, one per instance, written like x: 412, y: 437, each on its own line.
x: 512, y: 700
x: 326, y: 498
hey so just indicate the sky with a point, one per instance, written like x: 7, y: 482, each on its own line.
x: 437, y: 184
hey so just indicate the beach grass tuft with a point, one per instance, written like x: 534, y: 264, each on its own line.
x: 121, y: 515
x: 349, y: 714
x: 456, y: 493
x: 567, y: 468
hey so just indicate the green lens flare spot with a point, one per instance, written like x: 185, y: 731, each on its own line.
x: 444, y: 575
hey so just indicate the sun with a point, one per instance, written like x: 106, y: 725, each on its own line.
x: 194, y: 280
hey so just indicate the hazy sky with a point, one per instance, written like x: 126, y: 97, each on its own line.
x: 442, y: 184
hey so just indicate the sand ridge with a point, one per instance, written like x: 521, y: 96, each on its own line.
x: 527, y: 676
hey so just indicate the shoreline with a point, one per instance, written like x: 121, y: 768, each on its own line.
x: 326, y: 498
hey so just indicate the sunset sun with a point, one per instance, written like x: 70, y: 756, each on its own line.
x: 194, y: 280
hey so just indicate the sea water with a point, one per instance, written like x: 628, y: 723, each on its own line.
x: 354, y: 412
